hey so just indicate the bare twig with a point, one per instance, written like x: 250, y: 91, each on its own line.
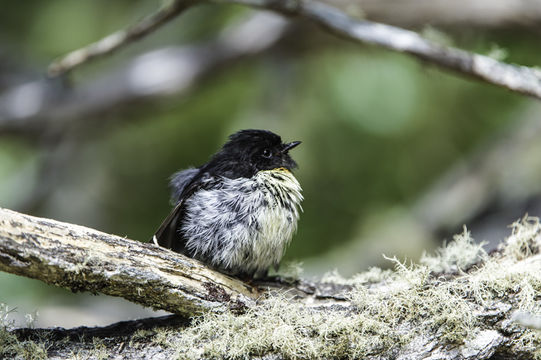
x: 120, y: 38
x: 521, y: 79
x: 34, y: 107
x: 398, y: 12
x: 516, y: 78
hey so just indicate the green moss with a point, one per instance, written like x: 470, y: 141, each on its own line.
x: 13, y: 348
x: 384, y: 311
x: 292, y: 330
x: 389, y: 309
x: 100, y: 350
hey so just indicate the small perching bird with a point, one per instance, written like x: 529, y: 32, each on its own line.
x: 239, y: 211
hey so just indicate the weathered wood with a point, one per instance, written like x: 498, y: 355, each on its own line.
x: 83, y: 259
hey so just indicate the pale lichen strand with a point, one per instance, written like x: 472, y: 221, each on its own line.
x: 11, y: 347
x: 456, y: 256
x: 412, y: 304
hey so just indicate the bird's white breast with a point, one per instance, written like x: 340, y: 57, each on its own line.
x: 243, y: 225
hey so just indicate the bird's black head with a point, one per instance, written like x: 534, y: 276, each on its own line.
x: 249, y: 151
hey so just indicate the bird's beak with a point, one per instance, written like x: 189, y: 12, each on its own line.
x: 290, y: 146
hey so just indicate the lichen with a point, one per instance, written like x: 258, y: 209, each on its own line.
x: 13, y: 348
x: 372, y: 275
x: 289, y: 329
x: 456, y: 256
x: 524, y: 240
x: 389, y: 309
x: 445, y: 299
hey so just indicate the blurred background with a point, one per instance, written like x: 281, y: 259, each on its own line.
x: 396, y: 157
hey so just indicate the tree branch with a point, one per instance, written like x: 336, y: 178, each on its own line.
x: 520, y: 79
x: 32, y: 108
x: 390, y: 11
x: 459, y: 304
x: 23, y: 108
x: 120, y: 38
x: 83, y: 259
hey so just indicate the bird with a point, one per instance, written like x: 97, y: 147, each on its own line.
x: 238, y: 212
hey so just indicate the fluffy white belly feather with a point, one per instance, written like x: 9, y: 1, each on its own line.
x: 244, y: 225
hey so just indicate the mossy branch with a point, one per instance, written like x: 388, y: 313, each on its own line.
x: 458, y: 304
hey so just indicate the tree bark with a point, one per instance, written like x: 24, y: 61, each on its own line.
x: 83, y: 259
x: 461, y: 304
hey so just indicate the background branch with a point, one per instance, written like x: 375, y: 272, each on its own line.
x: 51, y: 100
x: 119, y: 39
x: 41, y: 106
x: 521, y: 79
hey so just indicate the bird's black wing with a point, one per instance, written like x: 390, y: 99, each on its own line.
x: 167, y: 232
x: 183, y: 183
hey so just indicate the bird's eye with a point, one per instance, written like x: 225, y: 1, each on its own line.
x: 267, y: 153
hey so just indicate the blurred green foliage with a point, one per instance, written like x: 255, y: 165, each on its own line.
x: 377, y: 127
